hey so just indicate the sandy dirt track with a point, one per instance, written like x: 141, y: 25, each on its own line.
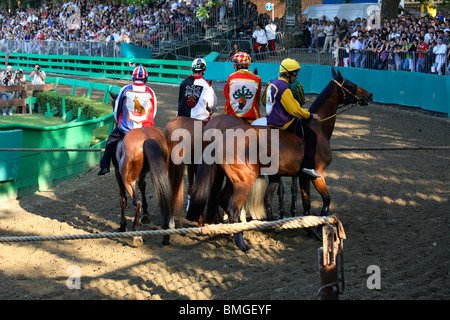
x: 394, y: 207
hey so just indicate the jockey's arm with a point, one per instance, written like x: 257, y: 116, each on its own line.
x: 211, y: 102
x: 292, y: 106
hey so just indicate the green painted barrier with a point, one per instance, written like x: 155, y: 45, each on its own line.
x: 39, y: 171
x: 42, y: 170
x: 166, y: 71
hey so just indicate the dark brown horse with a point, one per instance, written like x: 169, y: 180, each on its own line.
x: 241, y: 176
x: 143, y: 151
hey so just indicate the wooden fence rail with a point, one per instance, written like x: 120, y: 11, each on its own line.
x: 23, y: 89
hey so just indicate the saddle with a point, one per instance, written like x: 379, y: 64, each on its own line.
x: 260, y: 122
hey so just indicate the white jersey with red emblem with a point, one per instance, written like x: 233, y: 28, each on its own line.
x: 135, y: 107
x: 242, y: 92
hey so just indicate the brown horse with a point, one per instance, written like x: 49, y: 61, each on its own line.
x: 182, y: 155
x: 241, y: 176
x: 142, y: 151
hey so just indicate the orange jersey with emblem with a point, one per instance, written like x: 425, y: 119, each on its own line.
x: 242, y: 91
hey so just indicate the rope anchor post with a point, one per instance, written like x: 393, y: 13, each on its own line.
x: 328, y: 256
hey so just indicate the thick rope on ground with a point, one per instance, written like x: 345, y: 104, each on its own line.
x: 343, y: 149
x: 391, y: 148
x: 288, y: 223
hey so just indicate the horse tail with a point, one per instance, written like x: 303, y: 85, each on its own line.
x: 159, y: 175
x: 202, y: 186
x: 255, y: 199
x: 176, y: 173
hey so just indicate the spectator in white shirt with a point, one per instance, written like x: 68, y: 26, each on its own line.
x: 271, y: 31
x: 261, y: 39
x: 354, y: 50
x: 440, y: 50
x: 38, y: 76
x: 329, y: 33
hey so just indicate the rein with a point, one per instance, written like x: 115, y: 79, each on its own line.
x: 344, y: 89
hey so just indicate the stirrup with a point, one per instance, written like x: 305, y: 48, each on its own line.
x: 312, y: 172
x: 188, y: 202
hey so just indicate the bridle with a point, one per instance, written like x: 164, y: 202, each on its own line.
x: 344, y: 90
x: 344, y: 98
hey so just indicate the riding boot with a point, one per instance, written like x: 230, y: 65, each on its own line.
x: 309, y: 163
x: 309, y: 144
x: 110, y: 148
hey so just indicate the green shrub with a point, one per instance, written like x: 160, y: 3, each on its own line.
x: 91, y: 108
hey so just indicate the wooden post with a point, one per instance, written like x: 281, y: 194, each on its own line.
x: 16, y: 102
x: 329, y: 283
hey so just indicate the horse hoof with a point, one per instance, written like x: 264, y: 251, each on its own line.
x: 138, y: 242
x: 240, y: 243
x: 145, y: 219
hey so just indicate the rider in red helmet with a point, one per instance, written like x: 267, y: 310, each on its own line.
x: 242, y: 90
x: 134, y: 107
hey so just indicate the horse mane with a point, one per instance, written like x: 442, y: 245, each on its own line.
x: 320, y: 100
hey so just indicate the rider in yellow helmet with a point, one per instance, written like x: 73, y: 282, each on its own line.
x: 284, y: 112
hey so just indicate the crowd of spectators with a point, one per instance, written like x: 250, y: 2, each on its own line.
x: 406, y: 43
x: 117, y: 22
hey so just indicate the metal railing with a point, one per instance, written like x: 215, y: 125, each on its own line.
x: 51, y: 47
x: 391, y: 60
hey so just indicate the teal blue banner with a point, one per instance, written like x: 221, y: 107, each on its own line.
x: 131, y: 51
x: 10, y: 160
x: 412, y: 89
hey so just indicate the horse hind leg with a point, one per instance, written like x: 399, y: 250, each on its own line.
x: 280, y: 193
x: 305, y: 193
x: 274, y: 182
x: 142, y: 186
x: 294, y: 191
x: 176, y: 174
x: 212, y: 207
x: 191, y: 174
x: 321, y: 187
x: 131, y: 189
x: 240, y: 192
x: 122, y: 201
x: 130, y: 186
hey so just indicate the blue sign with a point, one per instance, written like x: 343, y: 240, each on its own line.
x: 269, y: 6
